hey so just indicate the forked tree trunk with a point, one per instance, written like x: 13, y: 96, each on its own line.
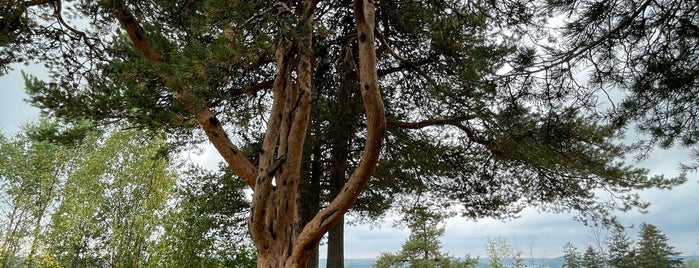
x: 274, y: 214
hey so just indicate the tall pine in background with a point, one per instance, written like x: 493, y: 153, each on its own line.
x: 654, y: 250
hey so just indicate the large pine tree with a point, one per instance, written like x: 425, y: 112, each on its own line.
x: 454, y: 93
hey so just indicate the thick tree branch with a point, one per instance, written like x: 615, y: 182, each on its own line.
x: 206, y: 118
x: 259, y: 86
x: 136, y: 33
x: 223, y: 144
x: 262, y: 201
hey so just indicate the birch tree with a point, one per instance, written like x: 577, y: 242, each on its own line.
x: 32, y: 170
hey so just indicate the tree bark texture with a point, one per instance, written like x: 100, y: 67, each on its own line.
x: 336, y: 245
x: 274, y: 209
x: 275, y: 180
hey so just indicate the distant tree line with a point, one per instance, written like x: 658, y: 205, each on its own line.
x: 651, y: 250
x: 423, y: 249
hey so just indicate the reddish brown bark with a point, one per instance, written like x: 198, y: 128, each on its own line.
x: 274, y: 213
x: 136, y: 33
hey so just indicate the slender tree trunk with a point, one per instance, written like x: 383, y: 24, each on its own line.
x: 342, y: 129
x: 336, y: 245
x: 309, y: 189
x: 35, y: 240
x: 8, y: 245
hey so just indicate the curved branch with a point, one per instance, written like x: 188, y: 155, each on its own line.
x: 376, y: 127
x: 58, y: 8
x: 206, y: 118
x: 223, y: 144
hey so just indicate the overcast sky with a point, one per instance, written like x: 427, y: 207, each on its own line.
x: 675, y: 212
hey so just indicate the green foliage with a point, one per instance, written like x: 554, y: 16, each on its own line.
x: 648, y: 49
x: 653, y: 249
x: 31, y: 170
x: 501, y: 254
x: 423, y: 248
x: 78, y: 197
x: 477, y: 118
x: 111, y: 203
x: 693, y: 263
x: 205, y: 227
x: 507, y: 142
x: 571, y: 256
x: 621, y: 251
x: 592, y: 259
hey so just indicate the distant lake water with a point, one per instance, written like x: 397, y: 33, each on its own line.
x: 482, y: 263
x: 350, y: 263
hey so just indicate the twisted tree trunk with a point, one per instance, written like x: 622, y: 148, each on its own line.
x: 275, y: 219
